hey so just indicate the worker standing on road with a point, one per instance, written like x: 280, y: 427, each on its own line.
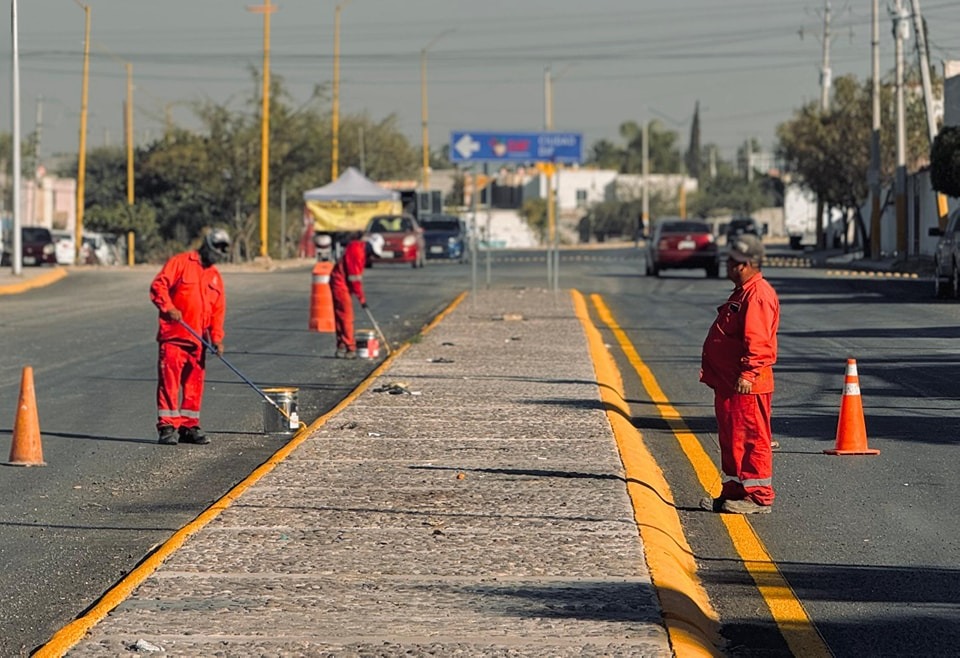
x: 347, y: 278
x: 188, y: 291
x: 737, y: 363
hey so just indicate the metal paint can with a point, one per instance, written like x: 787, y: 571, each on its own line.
x: 368, y: 346
x: 273, y: 421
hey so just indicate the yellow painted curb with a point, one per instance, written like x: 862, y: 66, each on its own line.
x: 692, y: 623
x: 795, y: 625
x: 45, y: 279
x: 64, y: 639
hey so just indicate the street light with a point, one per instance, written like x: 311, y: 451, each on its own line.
x: 335, y: 120
x: 423, y: 106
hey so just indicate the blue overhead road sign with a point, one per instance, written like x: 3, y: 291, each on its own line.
x: 516, y: 147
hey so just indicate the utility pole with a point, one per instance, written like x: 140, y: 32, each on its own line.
x: 335, y: 120
x: 424, y: 113
x: 928, y: 96
x: 645, y: 169
x: 39, y: 129
x: 128, y: 133
x: 266, y: 9
x: 901, y: 29
x: 825, y: 76
x: 17, y: 255
x: 873, y: 177
x: 82, y: 154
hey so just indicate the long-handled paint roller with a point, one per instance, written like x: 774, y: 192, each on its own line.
x: 383, y: 339
x: 239, y: 374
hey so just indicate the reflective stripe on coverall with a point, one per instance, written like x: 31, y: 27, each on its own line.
x: 197, y: 292
x: 347, y: 278
x: 742, y: 342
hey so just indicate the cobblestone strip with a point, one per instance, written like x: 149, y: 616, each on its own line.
x: 470, y: 502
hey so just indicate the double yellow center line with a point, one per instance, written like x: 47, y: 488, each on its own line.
x: 798, y: 631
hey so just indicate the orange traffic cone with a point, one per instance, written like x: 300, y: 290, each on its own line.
x: 851, y: 430
x: 321, y: 299
x: 25, y: 449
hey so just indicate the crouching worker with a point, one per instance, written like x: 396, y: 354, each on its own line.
x: 187, y: 291
x: 347, y: 278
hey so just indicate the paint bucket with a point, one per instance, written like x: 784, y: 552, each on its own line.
x: 368, y: 346
x: 273, y: 421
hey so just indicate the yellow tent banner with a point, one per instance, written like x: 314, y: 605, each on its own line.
x: 348, y: 216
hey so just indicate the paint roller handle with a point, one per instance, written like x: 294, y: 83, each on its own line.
x: 218, y: 350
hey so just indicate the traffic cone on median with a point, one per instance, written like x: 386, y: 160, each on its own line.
x: 25, y: 449
x: 851, y: 429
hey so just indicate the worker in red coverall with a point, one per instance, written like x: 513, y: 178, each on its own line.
x: 737, y: 363
x: 347, y: 278
x: 187, y: 291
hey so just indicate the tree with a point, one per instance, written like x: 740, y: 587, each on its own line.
x: 945, y: 162
x: 693, y: 156
x: 663, y: 154
x: 187, y: 181
x: 831, y: 151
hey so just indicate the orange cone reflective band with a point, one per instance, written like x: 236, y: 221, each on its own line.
x: 851, y: 429
x: 25, y: 449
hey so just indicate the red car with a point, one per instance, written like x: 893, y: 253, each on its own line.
x: 36, y: 244
x: 683, y: 244
x: 402, y: 237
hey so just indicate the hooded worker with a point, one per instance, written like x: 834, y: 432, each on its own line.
x: 188, y: 292
x: 347, y: 279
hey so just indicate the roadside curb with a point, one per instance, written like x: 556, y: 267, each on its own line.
x: 692, y: 623
x: 45, y: 279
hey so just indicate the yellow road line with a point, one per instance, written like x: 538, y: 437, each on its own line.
x: 691, y: 621
x: 69, y: 635
x: 795, y: 625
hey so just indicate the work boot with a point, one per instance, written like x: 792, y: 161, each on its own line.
x: 712, y: 504
x: 340, y: 353
x: 745, y: 506
x: 774, y: 445
x: 193, y: 435
x: 352, y: 354
x: 167, y: 435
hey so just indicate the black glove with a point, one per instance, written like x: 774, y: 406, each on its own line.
x: 363, y: 304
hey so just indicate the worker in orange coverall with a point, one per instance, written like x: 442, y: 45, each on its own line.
x: 188, y: 290
x: 347, y: 278
x: 737, y: 363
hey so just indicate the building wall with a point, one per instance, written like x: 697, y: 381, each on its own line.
x: 49, y: 202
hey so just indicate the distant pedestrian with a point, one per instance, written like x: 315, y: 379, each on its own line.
x: 737, y: 363
x: 347, y: 279
x: 187, y: 291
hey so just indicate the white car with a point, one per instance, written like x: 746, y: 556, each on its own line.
x: 65, y: 246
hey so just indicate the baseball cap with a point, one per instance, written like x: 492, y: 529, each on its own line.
x: 747, y: 249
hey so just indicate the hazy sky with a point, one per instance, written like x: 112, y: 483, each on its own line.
x: 750, y: 63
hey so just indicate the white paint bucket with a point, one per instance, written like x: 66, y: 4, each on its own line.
x: 368, y: 346
x: 275, y: 422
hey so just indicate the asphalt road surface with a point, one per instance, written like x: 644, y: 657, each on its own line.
x: 868, y: 544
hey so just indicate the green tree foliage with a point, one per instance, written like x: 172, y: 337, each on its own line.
x: 664, y: 153
x: 28, y: 162
x: 189, y: 180
x: 945, y: 162
x: 831, y: 151
x: 534, y: 211
x: 729, y: 193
